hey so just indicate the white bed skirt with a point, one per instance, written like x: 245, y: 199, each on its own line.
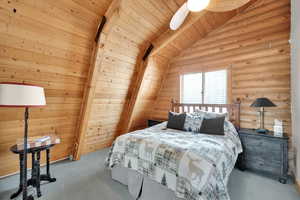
x: 140, y: 186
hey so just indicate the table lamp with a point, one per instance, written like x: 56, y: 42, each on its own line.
x: 19, y: 95
x: 262, y: 103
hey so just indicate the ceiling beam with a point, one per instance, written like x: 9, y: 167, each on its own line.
x: 169, y: 36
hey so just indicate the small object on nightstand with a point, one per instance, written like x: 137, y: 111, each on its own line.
x: 278, y: 128
x: 262, y: 103
x: 264, y: 154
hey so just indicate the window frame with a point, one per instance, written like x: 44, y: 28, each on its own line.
x: 228, y: 83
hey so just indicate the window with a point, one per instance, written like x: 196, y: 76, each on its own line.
x: 190, y: 84
x: 207, y: 87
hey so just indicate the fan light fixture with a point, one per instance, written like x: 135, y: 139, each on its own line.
x: 197, y: 5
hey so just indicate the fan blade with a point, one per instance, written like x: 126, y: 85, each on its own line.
x: 225, y: 5
x: 179, y: 17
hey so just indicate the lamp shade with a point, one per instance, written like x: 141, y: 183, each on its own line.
x: 263, y: 102
x: 21, y: 95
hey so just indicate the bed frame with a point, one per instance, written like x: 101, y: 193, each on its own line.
x: 233, y: 110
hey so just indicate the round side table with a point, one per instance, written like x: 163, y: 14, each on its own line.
x: 36, y: 177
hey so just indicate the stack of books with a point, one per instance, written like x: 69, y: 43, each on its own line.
x: 38, y: 141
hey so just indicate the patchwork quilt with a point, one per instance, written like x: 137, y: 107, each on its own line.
x: 195, y: 166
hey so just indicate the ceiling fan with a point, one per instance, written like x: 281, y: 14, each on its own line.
x: 199, y: 5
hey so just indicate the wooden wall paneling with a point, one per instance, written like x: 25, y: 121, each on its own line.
x: 110, y: 17
x: 49, y: 44
x: 143, y: 63
x: 170, y: 44
x: 159, y: 98
x: 115, y: 85
x: 254, y: 47
x: 149, y: 89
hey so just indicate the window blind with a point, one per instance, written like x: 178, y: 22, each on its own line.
x: 215, y: 90
x: 213, y: 85
x: 191, y: 88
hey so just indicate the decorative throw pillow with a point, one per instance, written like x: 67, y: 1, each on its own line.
x: 213, y: 126
x: 211, y: 115
x: 193, y: 123
x: 176, y: 120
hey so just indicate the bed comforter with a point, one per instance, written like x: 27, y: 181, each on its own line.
x: 195, y: 166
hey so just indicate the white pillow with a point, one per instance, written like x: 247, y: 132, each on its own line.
x: 210, y: 115
x: 193, y: 122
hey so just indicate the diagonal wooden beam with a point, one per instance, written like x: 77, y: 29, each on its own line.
x: 169, y: 36
x: 142, y: 63
x: 104, y: 28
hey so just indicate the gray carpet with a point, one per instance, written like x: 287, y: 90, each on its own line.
x: 88, y: 180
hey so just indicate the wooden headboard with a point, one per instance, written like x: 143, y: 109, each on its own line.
x: 233, y: 110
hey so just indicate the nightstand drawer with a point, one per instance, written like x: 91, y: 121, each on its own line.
x: 260, y: 144
x: 263, y: 165
x: 271, y: 157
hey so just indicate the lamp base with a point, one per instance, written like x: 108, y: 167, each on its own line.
x: 263, y: 131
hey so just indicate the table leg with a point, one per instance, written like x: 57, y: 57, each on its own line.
x: 48, y: 162
x: 21, y: 157
x: 32, y: 165
x: 32, y: 180
x: 38, y: 181
x: 47, y: 176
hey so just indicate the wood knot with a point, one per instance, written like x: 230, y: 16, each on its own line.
x: 101, y: 45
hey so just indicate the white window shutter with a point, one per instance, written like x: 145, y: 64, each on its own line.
x: 191, y: 88
x: 215, y: 90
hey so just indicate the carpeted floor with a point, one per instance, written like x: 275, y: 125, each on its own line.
x: 88, y: 180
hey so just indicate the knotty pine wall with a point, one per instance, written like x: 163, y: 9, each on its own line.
x: 150, y: 86
x: 254, y: 47
x: 138, y: 23
x: 157, y: 68
x: 47, y: 43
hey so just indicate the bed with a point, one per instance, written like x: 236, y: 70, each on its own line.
x: 161, y: 163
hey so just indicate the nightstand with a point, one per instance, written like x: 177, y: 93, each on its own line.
x: 264, y: 154
x: 153, y: 122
